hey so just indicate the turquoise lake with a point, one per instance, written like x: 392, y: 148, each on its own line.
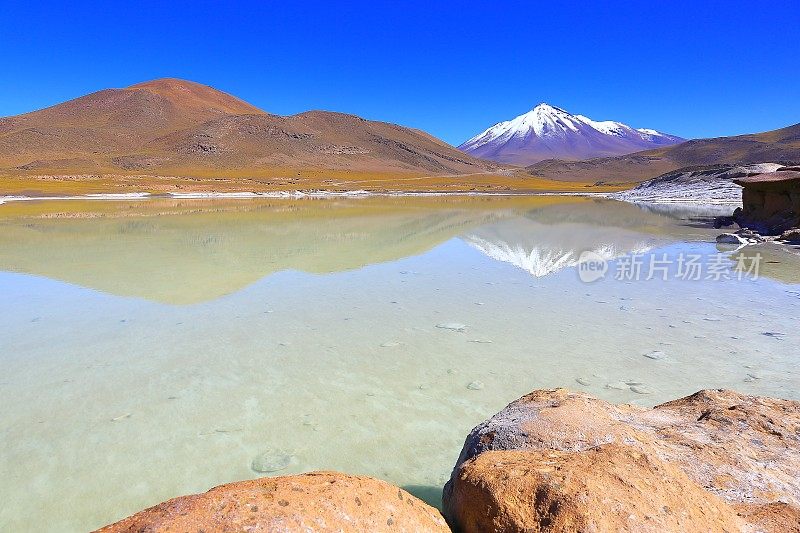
x: 160, y: 347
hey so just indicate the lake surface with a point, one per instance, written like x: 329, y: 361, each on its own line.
x: 157, y: 348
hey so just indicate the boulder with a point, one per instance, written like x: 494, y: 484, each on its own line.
x: 318, y: 501
x: 744, y: 450
x: 609, y: 488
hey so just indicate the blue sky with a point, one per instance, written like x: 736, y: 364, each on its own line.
x: 691, y: 68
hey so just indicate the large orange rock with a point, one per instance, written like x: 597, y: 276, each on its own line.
x: 744, y: 450
x: 318, y: 501
x: 610, y: 488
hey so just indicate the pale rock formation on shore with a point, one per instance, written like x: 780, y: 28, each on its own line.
x: 708, y: 184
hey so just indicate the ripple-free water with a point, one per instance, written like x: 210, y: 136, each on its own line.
x: 159, y: 349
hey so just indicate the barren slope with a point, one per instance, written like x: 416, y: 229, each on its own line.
x: 777, y: 146
x: 176, y: 127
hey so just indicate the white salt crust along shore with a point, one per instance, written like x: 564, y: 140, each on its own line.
x: 732, y: 197
x: 283, y: 194
x: 110, y: 196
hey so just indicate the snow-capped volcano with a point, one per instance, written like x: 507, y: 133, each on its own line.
x: 549, y: 132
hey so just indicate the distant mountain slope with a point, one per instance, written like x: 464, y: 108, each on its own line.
x: 318, y: 139
x: 777, y: 146
x: 172, y: 126
x: 549, y: 132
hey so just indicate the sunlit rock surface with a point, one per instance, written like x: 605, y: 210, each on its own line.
x: 743, y: 450
x: 319, y: 501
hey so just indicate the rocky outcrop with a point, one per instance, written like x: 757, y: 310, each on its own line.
x: 567, y: 459
x: 770, y: 202
x: 319, y: 501
x: 791, y: 236
x: 708, y: 184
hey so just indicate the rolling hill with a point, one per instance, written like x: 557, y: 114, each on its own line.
x: 175, y: 127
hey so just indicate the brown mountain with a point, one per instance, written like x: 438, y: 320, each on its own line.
x: 177, y: 127
x: 778, y: 146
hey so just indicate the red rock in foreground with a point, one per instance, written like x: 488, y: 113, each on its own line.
x: 610, y: 488
x: 319, y: 501
x: 562, y: 461
x: 553, y: 461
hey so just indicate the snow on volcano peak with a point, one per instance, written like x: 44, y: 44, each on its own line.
x: 549, y: 132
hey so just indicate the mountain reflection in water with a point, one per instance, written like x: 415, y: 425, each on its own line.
x: 183, y: 252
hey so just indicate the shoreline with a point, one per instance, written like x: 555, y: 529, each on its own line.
x: 677, y: 200
x: 297, y: 194
x: 666, y: 202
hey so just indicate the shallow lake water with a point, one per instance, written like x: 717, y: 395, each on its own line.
x: 158, y: 348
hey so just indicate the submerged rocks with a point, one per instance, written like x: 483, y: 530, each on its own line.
x: 656, y: 355
x: 560, y: 451
x: 452, y: 326
x: 618, y: 385
x: 271, y: 461
x: 319, y: 501
x: 391, y: 344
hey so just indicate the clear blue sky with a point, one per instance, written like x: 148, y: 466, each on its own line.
x: 690, y: 68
